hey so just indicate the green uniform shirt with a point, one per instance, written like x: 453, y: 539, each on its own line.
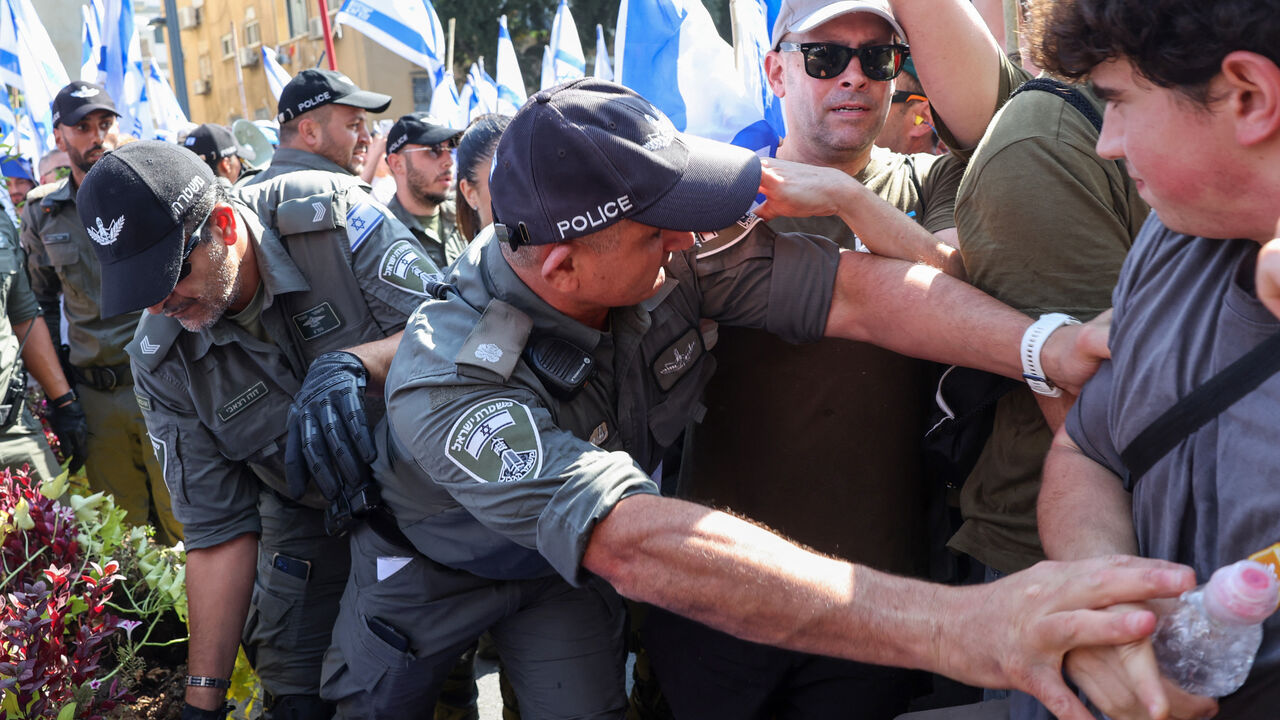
x: 61, y: 262
x: 443, y: 242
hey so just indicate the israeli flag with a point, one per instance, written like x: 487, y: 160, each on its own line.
x: 125, y: 81
x: 510, y: 84
x: 484, y: 91
x: 277, y: 76
x: 548, y: 69
x: 658, y: 41
x: 603, y: 70
x: 165, y: 110
x: 29, y: 63
x: 566, y: 47
x: 445, y: 103
x: 408, y: 28
x: 92, y: 62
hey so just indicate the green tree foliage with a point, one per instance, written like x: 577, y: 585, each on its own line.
x: 529, y: 22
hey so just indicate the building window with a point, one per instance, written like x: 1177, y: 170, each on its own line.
x: 252, y: 33
x: 297, y: 17
x: 228, y: 47
x: 421, y: 92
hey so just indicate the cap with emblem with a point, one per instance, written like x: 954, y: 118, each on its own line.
x: 805, y: 15
x: 211, y: 142
x: 79, y: 98
x: 313, y: 88
x: 579, y: 157
x: 132, y: 203
x: 419, y: 129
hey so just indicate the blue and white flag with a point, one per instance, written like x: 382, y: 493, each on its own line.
x: 511, y: 93
x: 548, y: 69
x: 408, y: 28
x: 92, y: 62
x: 484, y: 91
x: 165, y: 110
x: 658, y: 41
x: 603, y: 69
x: 125, y: 81
x: 445, y: 103
x: 28, y: 62
x: 277, y: 76
x: 566, y: 47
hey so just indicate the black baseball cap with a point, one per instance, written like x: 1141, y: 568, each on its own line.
x: 313, y: 88
x: 581, y: 156
x: 132, y: 203
x: 420, y: 129
x: 79, y: 98
x: 211, y: 142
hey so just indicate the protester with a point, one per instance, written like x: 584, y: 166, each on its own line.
x: 54, y: 166
x: 475, y: 157
x: 215, y: 145
x: 65, y: 276
x: 910, y: 127
x: 18, y: 179
x: 507, y: 518
x: 1191, y: 95
x: 420, y: 155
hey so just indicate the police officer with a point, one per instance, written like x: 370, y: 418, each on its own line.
x: 420, y: 156
x: 218, y: 148
x: 238, y: 311
x: 529, y: 403
x: 65, y: 273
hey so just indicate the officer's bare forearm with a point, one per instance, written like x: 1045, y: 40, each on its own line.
x: 219, y: 586
x: 376, y: 357
x: 40, y: 357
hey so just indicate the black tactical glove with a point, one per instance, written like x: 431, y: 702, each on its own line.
x: 330, y: 441
x: 191, y: 712
x: 67, y: 419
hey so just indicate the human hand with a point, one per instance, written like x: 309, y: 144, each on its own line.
x: 794, y: 189
x: 69, y: 423
x: 1268, y: 275
x: 1019, y: 628
x: 1072, y: 353
x: 1125, y: 683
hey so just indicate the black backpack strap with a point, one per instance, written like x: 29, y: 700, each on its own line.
x: 1072, y: 96
x: 1199, y: 407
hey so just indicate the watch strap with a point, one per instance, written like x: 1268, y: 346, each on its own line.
x: 1033, y: 341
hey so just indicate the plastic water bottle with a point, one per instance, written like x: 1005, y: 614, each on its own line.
x: 1207, y: 645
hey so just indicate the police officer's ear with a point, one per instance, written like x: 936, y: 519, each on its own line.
x: 224, y: 219
x: 395, y: 163
x: 560, y: 268
x: 57, y: 137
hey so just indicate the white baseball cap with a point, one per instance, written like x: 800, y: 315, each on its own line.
x: 805, y: 15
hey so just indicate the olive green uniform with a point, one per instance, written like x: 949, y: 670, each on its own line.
x: 65, y: 275
x: 443, y: 246
x: 337, y: 271
x: 496, y: 483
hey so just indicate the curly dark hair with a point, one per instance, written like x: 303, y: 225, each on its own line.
x: 1176, y: 44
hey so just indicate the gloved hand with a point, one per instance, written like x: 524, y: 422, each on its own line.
x: 191, y: 712
x: 72, y: 428
x: 330, y: 441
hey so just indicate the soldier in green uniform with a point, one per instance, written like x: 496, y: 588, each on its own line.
x: 65, y: 274
x: 420, y: 156
x: 530, y: 401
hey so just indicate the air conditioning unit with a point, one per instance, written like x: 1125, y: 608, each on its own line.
x: 203, y: 86
x: 315, y: 29
x: 250, y: 56
x: 190, y: 17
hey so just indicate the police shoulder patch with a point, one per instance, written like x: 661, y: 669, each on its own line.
x: 405, y: 267
x: 496, y: 441
x: 365, y: 215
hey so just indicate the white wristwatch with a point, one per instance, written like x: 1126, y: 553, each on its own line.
x: 1032, y: 343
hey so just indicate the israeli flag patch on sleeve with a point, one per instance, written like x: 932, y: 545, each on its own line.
x: 363, y: 218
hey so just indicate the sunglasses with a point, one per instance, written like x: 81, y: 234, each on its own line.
x: 437, y: 149
x: 827, y: 60
x: 191, y: 246
x: 906, y: 96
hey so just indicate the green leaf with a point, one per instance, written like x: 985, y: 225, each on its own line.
x: 55, y: 487
x: 9, y: 703
x: 68, y: 712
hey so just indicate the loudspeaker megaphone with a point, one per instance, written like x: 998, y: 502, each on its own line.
x: 255, y: 147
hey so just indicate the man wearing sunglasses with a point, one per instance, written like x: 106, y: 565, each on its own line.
x: 910, y: 127
x: 835, y: 66
x: 420, y: 156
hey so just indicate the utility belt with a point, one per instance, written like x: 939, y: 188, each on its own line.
x: 384, y: 524
x: 103, y: 377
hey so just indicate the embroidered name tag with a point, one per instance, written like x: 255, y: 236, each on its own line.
x: 676, y: 360
x: 317, y: 321
x: 250, y: 396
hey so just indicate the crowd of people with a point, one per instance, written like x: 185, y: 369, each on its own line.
x: 803, y: 433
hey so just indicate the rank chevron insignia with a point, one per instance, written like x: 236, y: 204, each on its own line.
x: 320, y: 209
x: 106, y: 235
x: 148, y: 347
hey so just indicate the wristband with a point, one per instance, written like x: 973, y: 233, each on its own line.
x: 209, y: 682
x: 64, y: 399
x: 1032, y: 343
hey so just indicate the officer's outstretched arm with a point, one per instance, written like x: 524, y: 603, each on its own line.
x: 919, y: 311
x: 219, y: 586
x: 67, y: 416
x: 742, y: 579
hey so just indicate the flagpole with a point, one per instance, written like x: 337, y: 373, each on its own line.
x: 235, y: 49
x: 453, y: 23
x: 328, y: 34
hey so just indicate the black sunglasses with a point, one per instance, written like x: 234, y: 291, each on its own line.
x: 828, y: 60
x: 190, y: 247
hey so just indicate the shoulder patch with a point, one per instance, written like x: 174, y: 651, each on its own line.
x: 307, y: 214
x: 497, y: 340
x: 710, y: 243
x: 496, y: 441
x: 152, y: 339
x: 406, y: 267
x: 363, y: 217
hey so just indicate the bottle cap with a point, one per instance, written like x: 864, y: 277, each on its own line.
x: 1244, y: 593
